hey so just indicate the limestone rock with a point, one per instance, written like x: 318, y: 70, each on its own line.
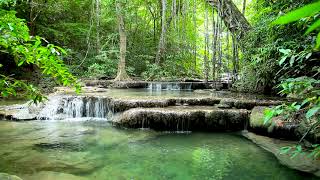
x: 300, y: 162
x: 50, y: 175
x: 185, y: 118
x: 278, y: 128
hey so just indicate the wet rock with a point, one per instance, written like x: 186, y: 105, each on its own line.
x: 17, y: 113
x: 248, y: 103
x: 276, y: 128
x: 50, y: 175
x: 59, y: 146
x: 300, y: 162
x: 99, y: 83
x: 4, y: 176
x: 198, y: 101
x: 128, y: 84
x: 223, y: 106
x: 184, y: 118
x: 120, y: 105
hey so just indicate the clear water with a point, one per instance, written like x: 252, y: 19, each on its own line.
x: 87, y: 149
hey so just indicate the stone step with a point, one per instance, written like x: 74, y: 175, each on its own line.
x: 185, y: 118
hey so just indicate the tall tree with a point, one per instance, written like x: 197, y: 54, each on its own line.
x: 122, y: 74
x: 194, y: 18
x: 244, y: 7
x: 98, y: 14
x: 162, y: 41
x: 206, y: 49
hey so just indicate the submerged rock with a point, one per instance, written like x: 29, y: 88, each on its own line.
x: 50, y: 175
x: 300, y: 162
x: 59, y: 146
x: 184, y: 118
x: 4, y: 176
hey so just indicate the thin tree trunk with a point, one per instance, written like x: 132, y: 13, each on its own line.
x: 98, y: 14
x: 205, y: 60
x: 174, y: 12
x: 244, y: 7
x: 235, y: 57
x: 227, y: 52
x: 214, y: 44
x: 162, y: 41
x: 122, y: 74
x: 195, y: 29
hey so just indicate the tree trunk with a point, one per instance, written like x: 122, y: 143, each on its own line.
x: 122, y: 74
x: 205, y: 60
x: 235, y: 58
x: 162, y: 41
x: 232, y: 17
x: 244, y: 7
x: 98, y: 13
x: 214, y: 44
x: 196, y: 31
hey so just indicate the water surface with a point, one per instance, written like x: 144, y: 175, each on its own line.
x: 91, y: 149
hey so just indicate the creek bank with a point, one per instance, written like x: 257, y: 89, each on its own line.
x: 280, y: 128
x: 185, y: 118
x: 301, y: 162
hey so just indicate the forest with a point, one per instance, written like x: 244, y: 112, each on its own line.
x: 259, y: 47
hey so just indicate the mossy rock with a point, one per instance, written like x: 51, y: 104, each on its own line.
x: 277, y: 127
x: 4, y: 176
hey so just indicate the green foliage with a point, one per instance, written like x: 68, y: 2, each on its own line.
x: 274, y: 53
x: 303, y: 12
x: 27, y: 50
x: 306, y: 89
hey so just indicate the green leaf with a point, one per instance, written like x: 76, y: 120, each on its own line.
x: 20, y: 63
x: 305, y: 11
x: 292, y: 60
x: 312, y: 112
x: 283, y: 59
x: 313, y: 27
x: 285, y: 51
x: 318, y: 41
x: 285, y: 150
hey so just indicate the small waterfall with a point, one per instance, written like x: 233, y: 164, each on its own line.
x: 169, y: 86
x: 61, y: 107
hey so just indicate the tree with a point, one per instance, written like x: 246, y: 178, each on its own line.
x: 162, y: 41
x: 122, y: 74
x: 232, y: 17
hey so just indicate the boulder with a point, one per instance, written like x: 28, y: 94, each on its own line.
x: 300, y: 162
x: 277, y: 128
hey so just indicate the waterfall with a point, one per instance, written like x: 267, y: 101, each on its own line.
x: 169, y: 86
x: 62, y: 107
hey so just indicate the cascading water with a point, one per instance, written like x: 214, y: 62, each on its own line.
x: 171, y: 86
x: 61, y: 107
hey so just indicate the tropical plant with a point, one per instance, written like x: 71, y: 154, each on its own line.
x: 305, y: 89
x: 27, y: 50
